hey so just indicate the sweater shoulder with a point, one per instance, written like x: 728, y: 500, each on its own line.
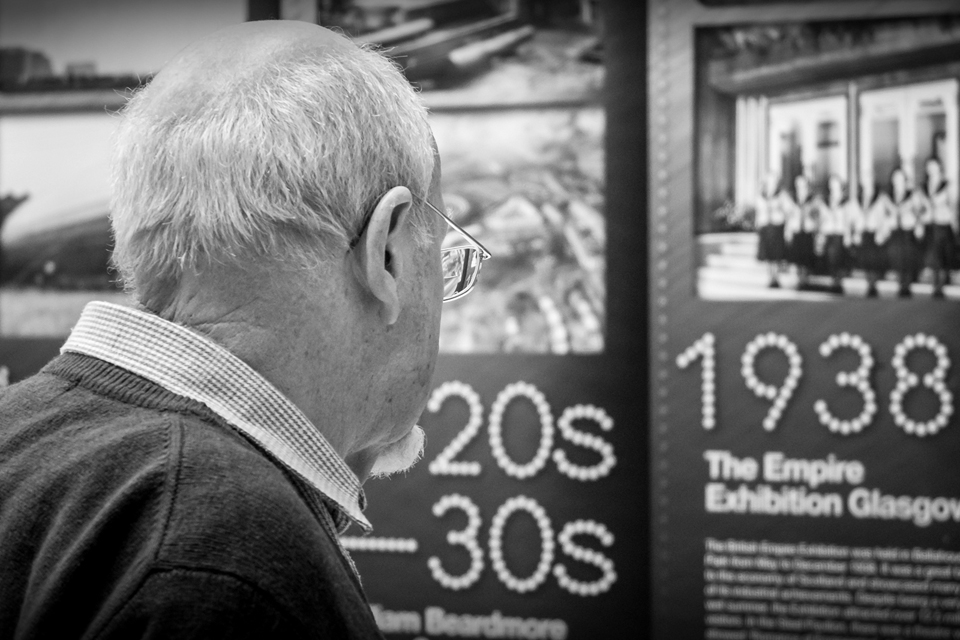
x: 182, y: 603
x: 85, y: 495
x: 132, y: 480
x: 237, y: 511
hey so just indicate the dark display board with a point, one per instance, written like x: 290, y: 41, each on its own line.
x: 804, y: 328
x: 527, y: 517
x: 522, y: 520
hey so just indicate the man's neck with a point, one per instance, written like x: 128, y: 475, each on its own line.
x: 302, y: 348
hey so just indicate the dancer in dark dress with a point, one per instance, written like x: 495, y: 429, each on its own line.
x: 906, y: 232
x: 770, y: 218
x: 939, y: 218
x: 834, y: 232
x: 870, y: 232
x: 802, y: 220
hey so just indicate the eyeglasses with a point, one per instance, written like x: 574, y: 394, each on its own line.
x: 460, y: 262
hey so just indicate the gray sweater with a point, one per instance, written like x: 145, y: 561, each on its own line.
x: 130, y: 512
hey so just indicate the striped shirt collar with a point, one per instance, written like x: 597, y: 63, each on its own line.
x: 191, y: 365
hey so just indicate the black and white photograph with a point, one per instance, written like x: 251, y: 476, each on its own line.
x: 838, y: 160
x: 513, y: 90
x: 529, y: 185
x: 472, y: 53
x: 289, y: 288
x: 514, y: 93
x: 67, y: 67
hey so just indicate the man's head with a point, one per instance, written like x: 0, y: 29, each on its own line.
x: 267, y: 192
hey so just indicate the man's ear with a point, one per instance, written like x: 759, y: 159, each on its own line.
x: 379, y: 252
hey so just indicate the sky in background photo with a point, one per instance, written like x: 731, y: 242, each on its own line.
x: 62, y: 160
x: 118, y: 36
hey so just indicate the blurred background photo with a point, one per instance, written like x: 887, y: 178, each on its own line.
x: 514, y: 93
x: 863, y: 113
x: 65, y: 68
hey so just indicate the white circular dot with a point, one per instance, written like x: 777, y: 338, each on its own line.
x: 586, y: 440
x: 578, y: 587
x: 444, y: 463
x: 497, y: 448
x: 934, y: 380
x: 780, y: 396
x: 532, y: 507
x: 859, y: 379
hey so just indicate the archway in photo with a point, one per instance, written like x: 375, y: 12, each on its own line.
x: 906, y: 125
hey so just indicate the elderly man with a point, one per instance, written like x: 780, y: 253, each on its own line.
x: 183, y: 469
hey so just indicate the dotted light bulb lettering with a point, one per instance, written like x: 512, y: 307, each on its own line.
x: 511, y: 468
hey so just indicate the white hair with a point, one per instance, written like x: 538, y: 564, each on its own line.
x: 282, y: 164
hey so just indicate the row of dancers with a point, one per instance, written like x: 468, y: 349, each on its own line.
x: 896, y: 229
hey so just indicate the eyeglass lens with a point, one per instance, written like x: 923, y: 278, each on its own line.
x: 461, y: 265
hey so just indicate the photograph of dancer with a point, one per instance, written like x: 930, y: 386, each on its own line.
x: 939, y: 218
x: 906, y: 232
x: 875, y: 95
x: 869, y: 235
x: 771, y: 207
x: 834, y: 232
x: 802, y: 222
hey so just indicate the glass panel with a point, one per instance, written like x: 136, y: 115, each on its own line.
x: 452, y: 263
x: 886, y: 150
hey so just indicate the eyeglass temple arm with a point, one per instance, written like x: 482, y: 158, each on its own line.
x: 485, y: 255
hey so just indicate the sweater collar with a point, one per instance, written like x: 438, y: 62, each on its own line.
x: 193, y: 366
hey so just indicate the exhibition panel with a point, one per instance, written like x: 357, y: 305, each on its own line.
x: 527, y: 516
x: 803, y: 171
